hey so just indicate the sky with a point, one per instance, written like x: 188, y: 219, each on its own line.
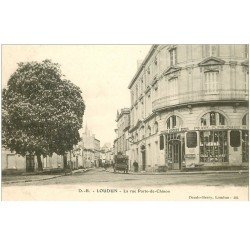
x: 103, y: 73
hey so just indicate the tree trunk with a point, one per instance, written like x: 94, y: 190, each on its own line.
x: 39, y: 161
x: 65, y: 161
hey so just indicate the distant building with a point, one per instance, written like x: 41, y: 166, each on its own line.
x: 121, y: 143
x: 91, y: 149
x: 97, y: 152
x: 107, y: 153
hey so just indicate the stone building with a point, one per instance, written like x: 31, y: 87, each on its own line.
x: 121, y: 143
x: 13, y: 161
x: 107, y: 154
x: 91, y: 149
x: 189, y: 107
x: 97, y: 152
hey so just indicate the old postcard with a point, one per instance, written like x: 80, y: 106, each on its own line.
x: 125, y: 122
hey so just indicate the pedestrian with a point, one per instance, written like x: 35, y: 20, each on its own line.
x: 136, y: 166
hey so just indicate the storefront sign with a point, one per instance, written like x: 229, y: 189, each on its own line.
x: 201, y: 128
x: 224, y: 127
x: 176, y: 130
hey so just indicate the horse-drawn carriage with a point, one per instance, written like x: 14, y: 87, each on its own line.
x: 121, y: 163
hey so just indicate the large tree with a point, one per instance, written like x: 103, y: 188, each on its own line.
x: 41, y: 111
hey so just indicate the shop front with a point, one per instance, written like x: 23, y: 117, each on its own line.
x: 217, y: 146
x: 210, y: 146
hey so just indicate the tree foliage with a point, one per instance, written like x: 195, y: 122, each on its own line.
x: 42, y: 112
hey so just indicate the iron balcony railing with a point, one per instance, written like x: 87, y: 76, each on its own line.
x: 200, y: 96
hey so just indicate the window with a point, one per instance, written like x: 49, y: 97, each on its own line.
x: 245, y: 120
x: 173, y: 122
x: 213, y: 146
x: 149, y: 130
x: 161, y: 142
x: 235, y: 138
x: 211, y: 82
x: 245, y: 146
x: 156, y: 62
x: 191, y: 139
x: 156, y: 127
x: 142, y: 133
x: 142, y: 109
x: 173, y: 86
x: 246, y: 81
x: 173, y: 57
x: 213, y: 119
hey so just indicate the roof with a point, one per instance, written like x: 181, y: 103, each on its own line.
x: 123, y: 112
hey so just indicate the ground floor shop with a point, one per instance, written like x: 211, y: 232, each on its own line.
x: 206, y: 148
x: 205, y: 136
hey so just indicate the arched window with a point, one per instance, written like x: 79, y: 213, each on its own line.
x: 156, y: 127
x: 245, y: 120
x: 174, y: 122
x: 213, y: 119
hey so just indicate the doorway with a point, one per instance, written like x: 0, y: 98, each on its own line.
x: 174, y: 154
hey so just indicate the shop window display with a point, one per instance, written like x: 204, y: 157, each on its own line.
x: 213, y: 146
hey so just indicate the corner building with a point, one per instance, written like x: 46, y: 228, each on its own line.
x: 189, y: 107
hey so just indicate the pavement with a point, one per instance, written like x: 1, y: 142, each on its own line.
x: 34, y: 178
x: 183, y: 173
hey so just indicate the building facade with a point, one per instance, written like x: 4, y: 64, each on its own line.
x: 13, y: 161
x: 97, y: 149
x: 107, y: 154
x: 121, y: 143
x: 189, y: 107
x: 123, y: 123
x: 90, y: 149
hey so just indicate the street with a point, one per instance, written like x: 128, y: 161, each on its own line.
x: 99, y: 177
x: 98, y: 184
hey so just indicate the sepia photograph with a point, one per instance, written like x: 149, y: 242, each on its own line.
x: 124, y: 125
x: 162, y: 122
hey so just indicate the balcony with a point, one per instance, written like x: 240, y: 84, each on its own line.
x: 201, y: 96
